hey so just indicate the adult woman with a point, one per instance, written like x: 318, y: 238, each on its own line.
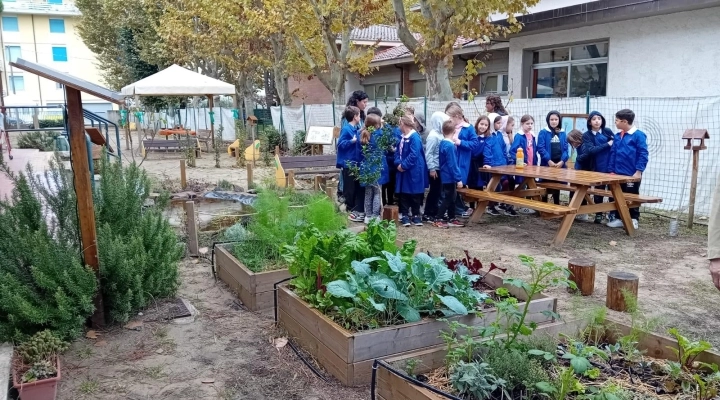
x: 493, y: 104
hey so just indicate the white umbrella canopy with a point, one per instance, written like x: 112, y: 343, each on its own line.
x: 178, y: 81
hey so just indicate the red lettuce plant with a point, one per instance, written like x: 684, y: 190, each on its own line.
x: 474, y: 265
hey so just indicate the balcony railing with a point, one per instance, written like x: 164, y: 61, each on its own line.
x: 40, y: 7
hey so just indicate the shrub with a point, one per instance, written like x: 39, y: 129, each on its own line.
x: 51, y: 123
x: 269, y: 138
x: 299, y: 147
x: 43, y: 141
x: 43, y: 284
x: 515, y: 368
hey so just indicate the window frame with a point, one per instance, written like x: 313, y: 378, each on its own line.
x: 50, y: 23
x: 8, y: 53
x: 499, y: 91
x: 372, y: 94
x: 4, y: 24
x: 13, y: 85
x: 567, y: 64
x: 53, y: 53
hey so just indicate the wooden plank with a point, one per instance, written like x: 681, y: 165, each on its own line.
x: 192, y: 228
x: 622, y: 208
x: 246, y: 298
x: 391, y: 386
x: 567, y: 222
x: 265, y: 281
x: 317, y: 171
x: 224, y: 259
x: 325, y: 356
x: 249, y: 170
x: 557, y: 186
x: 573, y: 176
x: 517, y: 201
x: 83, y: 189
x: 183, y: 179
x: 337, y: 339
x: 628, y: 196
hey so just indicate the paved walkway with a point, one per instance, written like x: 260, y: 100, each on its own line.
x: 21, y: 157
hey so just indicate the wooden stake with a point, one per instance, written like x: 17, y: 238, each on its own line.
x: 183, y: 178
x: 582, y: 272
x: 318, y: 183
x: 693, y: 187
x: 83, y: 189
x: 617, y: 283
x: 391, y: 213
x: 329, y: 192
x: 191, y: 228
x: 249, y: 175
x: 290, y: 182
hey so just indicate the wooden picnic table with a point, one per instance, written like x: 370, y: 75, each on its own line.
x: 169, y: 132
x: 579, y: 183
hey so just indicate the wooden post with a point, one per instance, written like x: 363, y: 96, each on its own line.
x: 83, y: 190
x: 290, y: 182
x: 318, y: 183
x: 391, y: 213
x: 329, y: 192
x: 693, y: 186
x: 619, y: 282
x: 191, y: 228
x: 277, y: 151
x: 249, y: 175
x: 212, y: 124
x: 582, y: 272
x: 183, y: 178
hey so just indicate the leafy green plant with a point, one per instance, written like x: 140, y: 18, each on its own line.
x: 476, y: 379
x: 687, y: 350
x: 565, y: 384
x: 410, y: 366
x: 516, y: 368
x: 300, y: 148
x: 460, y: 347
x: 43, y: 141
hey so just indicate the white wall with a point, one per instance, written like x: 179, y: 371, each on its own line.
x: 670, y: 55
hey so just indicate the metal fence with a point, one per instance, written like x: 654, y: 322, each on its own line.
x: 663, y: 120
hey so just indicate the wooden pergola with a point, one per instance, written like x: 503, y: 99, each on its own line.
x: 79, y: 160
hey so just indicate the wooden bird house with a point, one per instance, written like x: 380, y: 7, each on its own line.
x: 696, y: 139
x: 252, y: 120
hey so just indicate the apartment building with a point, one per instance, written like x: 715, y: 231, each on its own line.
x: 45, y: 31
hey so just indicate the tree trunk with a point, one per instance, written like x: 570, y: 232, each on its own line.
x: 582, y: 272
x: 438, y: 80
x: 279, y: 69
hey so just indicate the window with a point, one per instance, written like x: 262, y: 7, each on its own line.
x: 54, y: 1
x: 59, y: 53
x: 12, y: 53
x: 382, y: 91
x: 57, y: 25
x: 419, y: 88
x: 17, y: 84
x: 10, y: 24
x: 571, y: 71
x: 494, y: 84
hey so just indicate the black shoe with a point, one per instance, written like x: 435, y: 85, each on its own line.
x: 598, y: 219
x: 492, y: 211
x: 509, y: 211
x: 427, y: 218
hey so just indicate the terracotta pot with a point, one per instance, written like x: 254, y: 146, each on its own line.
x: 45, y: 389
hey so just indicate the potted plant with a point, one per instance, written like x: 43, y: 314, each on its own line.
x: 36, y: 366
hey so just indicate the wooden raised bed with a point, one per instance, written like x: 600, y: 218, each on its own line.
x: 255, y: 289
x: 349, y: 356
x: 390, y: 386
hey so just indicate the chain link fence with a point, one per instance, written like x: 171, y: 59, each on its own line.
x: 663, y: 120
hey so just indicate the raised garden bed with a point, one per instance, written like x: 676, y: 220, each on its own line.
x: 393, y: 383
x: 349, y: 356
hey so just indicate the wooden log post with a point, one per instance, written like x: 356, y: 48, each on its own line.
x: 191, y: 223
x: 391, y: 213
x: 183, y: 177
x: 618, y: 284
x: 582, y: 272
x: 318, y: 183
x: 329, y: 192
x: 290, y: 182
x: 249, y: 168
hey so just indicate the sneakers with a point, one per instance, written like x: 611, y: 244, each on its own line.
x: 636, y: 224
x: 356, y: 217
x: 467, y: 213
x: 427, y: 218
x: 341, y: 198
x: 492, y: 210
x: 615, y: 223
x: 598, y: 218
x: 441, y: 224
x: 367, y: 220
x: 508, y: 210
x: 417, y: 221
x: 405, y: 221
x: 582, y: 218
x: 455, y: 224
x: 526, y: 211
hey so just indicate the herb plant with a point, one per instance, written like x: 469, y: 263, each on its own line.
x: 687, y: 350
x: 476, y: 379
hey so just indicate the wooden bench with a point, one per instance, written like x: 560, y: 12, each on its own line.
x: 308, y: 165
x: 170, y: 145
x: 629, y: 197
x: 548, y: 208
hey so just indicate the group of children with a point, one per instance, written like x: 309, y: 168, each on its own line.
x: 453, y: 154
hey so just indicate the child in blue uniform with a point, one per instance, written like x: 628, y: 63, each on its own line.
x: 373, y: 158
x: 552, y: 147
x: 629, y: 156
x: 432, y: 148
x: 450, y: 177
x: 597, y: 143
x: 496, y: 155
x: 348, y: 149
x: 525, y: 140
x: 411, y: 179
x: 465, y: 140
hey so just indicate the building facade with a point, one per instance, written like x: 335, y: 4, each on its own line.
x: 45, y: 32
x: 567, y: 48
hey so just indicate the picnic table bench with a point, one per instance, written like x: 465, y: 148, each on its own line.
x: 169, y: 145
x: 581, y: 185
x: 307, y: 165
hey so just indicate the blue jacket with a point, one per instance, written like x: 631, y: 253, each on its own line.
x: 347, y: 150
x: 373, y: 147
x: 449, y: 171
x: 475, y: 178
x: 629, y: 153
x: 390, y: 155
x: 494, y: 153
x: 468, y: 142
x: 521, y: 142
x: 597, y: 145
x: 584, y: 160
x: 544, y: 146
x: 414, y: 179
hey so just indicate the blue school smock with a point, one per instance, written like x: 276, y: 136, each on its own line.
x: 494, y: 152
x: 629, y: 153
x: 475, y: 178
x: 449, y: 171
x: 347, y: 150
x: 521, y: 142
x: 415, y: 176
x: 373, y: 147
x: 468, y: 142
x: 544, y: 146
x: 598, y: 147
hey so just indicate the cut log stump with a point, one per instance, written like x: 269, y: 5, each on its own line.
x: 582, y: 272
x: 618, y: 284
x: 390, y: 213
